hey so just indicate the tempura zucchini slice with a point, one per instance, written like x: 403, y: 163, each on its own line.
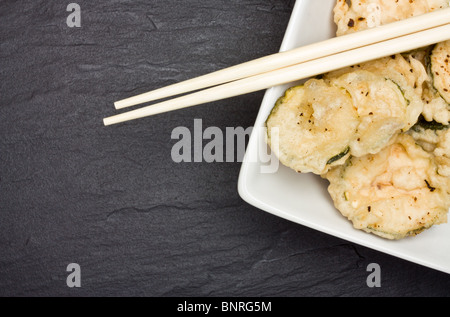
x: 393, y: 194
x: 305, y: 127
x: 364, y: 14
x: 381, y: 107
x: 408, y: 73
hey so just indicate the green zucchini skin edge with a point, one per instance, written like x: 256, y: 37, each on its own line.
x: 408, y: 102
x: 279, y: 101
x: 339, y: 156
x: 428, y: 125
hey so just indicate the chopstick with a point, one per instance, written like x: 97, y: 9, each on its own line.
x: 295, y: 56
x: 291, y: 73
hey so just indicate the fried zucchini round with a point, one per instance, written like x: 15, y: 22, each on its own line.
x: 365, y: 14
x: 434, y: 138
x: 393, y: 194
x: 322, y: 122
x: 305, y: 128
x: 408, y: 73
x: 381, y: 107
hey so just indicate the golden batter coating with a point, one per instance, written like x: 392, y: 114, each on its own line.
x: 382, y: 110
x: 404, y: 70
x: 437, y: 83
x: 365, y: 14
x: 305, y: 127
x: 393, y: 194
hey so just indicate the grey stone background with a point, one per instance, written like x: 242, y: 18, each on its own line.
x: 112, y: 200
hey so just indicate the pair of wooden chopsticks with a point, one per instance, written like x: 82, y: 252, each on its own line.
x: 293, y: 65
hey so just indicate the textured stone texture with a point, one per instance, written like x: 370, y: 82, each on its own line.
x: 112, y: 200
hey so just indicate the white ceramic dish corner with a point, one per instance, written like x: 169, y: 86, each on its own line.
x: 303, y: 198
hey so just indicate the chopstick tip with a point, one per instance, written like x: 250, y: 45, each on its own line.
x: 107, y: 122
x: 118, y: 105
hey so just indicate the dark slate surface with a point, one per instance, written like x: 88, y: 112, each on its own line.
x: 112, y: 200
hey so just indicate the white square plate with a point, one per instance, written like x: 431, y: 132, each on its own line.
x: 303, y: 198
